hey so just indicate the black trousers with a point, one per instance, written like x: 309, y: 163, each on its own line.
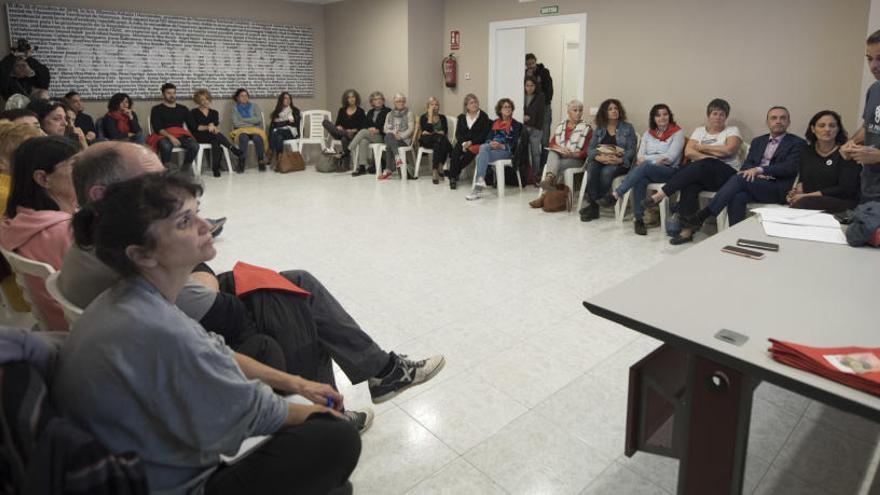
x: 316, y: 457
x: 459, y: 160
x: 340, y: 135
x: 216, y: 141
x: 708, y: 174
x: 440, y: 145
x: 825, y: 203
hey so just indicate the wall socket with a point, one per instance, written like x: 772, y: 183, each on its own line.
x: 467, y: 76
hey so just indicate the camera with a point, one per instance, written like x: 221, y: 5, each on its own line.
x: 22, y: 47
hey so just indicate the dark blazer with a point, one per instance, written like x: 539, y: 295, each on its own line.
x: 477, y: 134
x: 784, y: 164
x: 380, y: 120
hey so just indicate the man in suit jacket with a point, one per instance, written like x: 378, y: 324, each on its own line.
x: 766, y: 175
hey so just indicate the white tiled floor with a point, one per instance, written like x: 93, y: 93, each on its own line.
x: 533, y: 396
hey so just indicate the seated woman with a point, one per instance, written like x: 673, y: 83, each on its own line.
x: 610, y: 154
x: 656, y: 161
x: 206, y: 121
x: 38, y: 212
x: 714, y: 153
x: 499, y: 144
x: 350, y: 119
x: 131, y: 340
x: 373, y: 133
x: 471, y: 130
x: 567, y: 149
x: 433, y: 135
x: 284, y: 123
x: 533, y: 120
x: 827, y: 181
x: 121, y: 122
x: 399, y: 128
x: 247, y: 125
x: 56, y: 119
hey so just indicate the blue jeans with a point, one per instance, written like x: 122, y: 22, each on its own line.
x: 487, y: 155
x: 600, y: 177
x: 638, y: 179
x: 736, y: 193
x: 258, y: 144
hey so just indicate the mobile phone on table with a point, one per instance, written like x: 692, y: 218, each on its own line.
x: 764, y: 246
x: 746, y: 253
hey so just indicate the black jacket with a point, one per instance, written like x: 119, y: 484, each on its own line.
x: 380, y: 120
x: 542, y: 74
x: 535, y: 112
x: 11, y: 85
x: 477, y: 134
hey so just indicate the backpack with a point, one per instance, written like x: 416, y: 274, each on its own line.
x: 865, y: 226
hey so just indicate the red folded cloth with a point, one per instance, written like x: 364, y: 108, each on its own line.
x: 856, y: 367
x: 249, y: 278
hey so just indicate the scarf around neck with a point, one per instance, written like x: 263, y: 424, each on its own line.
x: 663, y: 136
x: 244, y: 110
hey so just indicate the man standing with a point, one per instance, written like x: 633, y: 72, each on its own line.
x: 542, y: 75
x: 863, y: 148
x: 169, y: 123
x: 766, y: 176
x: 85, y: 122
x: 20, y: 73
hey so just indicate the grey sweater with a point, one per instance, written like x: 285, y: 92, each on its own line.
x: 143, y: 377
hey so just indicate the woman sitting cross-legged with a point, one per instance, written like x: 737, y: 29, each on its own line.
x: 714, y: 150
x: 499, y: 144
x: 207, y: 130
x: 144, y: 378
x: 471, y: 129
x: 399, y: 128
x: 567, y: 149
x: 284, y: 123
x: 610, y: 154
x: 120, y: 123
x: 350, y: 119
x: 656, y: 161
x: 247, y: 126
x: 38, y: 212
x: 827, y: 181
x: 433, y: 135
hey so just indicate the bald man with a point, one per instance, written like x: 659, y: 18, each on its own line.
x: 309, y: 331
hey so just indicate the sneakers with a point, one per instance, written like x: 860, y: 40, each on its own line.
x: 475, y: 193
x: 405, y: 374
x: 361, y: 420
x: 386, y: 175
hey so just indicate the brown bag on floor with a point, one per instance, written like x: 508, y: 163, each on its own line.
x: 290, y: 161
x: 558, y: 199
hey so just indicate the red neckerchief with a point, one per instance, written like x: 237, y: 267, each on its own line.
x: 502, y: 125
x: 122, y: 121
x: 670, y: 130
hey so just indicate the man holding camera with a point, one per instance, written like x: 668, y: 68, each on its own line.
x: 20, y: 72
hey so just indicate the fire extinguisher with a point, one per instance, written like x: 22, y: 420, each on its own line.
x: 450, y: 71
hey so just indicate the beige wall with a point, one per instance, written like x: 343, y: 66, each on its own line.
x: 547, y: 42
x: 269, y: 11
x: 425, y: 52
x: 366, y: 48
x: 709, y: 49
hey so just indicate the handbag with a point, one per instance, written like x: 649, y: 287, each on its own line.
x: 558, y: 199
x: 290, y: 161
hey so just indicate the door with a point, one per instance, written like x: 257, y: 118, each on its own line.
x: 508, y: 59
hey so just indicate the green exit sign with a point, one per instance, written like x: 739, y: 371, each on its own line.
x: 549, y: 10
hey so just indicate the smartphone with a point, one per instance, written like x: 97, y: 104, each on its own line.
x: 764, y: 246
x: 746, y: 253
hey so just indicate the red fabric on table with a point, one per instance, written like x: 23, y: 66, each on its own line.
x: 813, y: 359
x: 249, y: 278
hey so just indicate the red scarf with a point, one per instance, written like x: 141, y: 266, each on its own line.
x: 122, y: 121
x: 670, y: 130
x: 502, y: 125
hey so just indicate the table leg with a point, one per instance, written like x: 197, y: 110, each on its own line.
x: 720, y: 407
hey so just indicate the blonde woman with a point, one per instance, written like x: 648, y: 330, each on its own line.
x: 206, y: 129
x: 472, y: 128
x: 433, y: 135
x: 399, y: 129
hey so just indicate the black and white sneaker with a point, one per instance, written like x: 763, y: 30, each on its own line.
x: 361, y: 420
x: 405, y: 374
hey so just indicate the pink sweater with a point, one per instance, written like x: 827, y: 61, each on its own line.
x: 41, y: 236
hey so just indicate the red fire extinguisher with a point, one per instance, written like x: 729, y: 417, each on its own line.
x: 450, y: 71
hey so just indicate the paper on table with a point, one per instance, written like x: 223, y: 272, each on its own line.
x: 812, y: 218
x: 805, y: 232
x: 249, y: 444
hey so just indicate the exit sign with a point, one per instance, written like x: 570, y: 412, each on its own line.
x: 549, y: 10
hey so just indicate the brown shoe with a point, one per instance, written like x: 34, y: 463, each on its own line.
x: 537, y: 203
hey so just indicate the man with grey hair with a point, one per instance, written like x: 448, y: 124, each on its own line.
x: 310, y: 331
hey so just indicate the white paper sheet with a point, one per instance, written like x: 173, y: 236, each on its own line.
x: 805, y: 232
x: 811, y: 218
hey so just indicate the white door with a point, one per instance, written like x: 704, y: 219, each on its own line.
x: 572, y: 72
x: 507, y: 54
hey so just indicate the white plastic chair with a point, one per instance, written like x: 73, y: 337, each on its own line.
x: 620, y: 207
x: 71, y: 311
x: 450, y: 134
x: 22, y: 267
x: 315, y: 134
x: 176, y: 149
x: 203, y: 147
x: 379, y: 148
x: 499, y: 175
